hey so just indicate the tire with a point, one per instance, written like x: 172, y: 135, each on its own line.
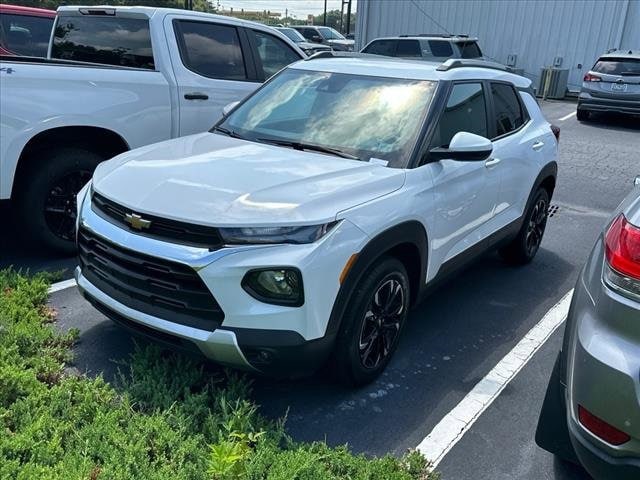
x: 46, y: 196
x: 524, y: 247
x: 361, y: 324
x: 582, y: 115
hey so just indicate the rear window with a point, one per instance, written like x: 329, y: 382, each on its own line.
x: 381, y: 47
x: 25, y: 35
x: 618, y: 66
x: 117, y: 41
x: 440, y: 48
x: 469, y: 50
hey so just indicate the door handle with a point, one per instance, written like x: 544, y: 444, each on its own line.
x: 492, y: 162
x: 538, y: 145
x: 196, y: 96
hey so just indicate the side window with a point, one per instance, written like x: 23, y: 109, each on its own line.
x: 469, y: 50
x: 466, y: 111
x: 408, y: 48
x: 308, y: 33
x: 211, y: 50
x: 26, y: 35
x: 440, y: 48
x: 274, y: 53
x: 382, y: 47
x: 508, y: 111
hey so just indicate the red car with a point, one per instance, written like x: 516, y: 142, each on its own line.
x: 25, y: 30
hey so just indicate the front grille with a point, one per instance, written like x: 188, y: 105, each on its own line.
x: 161, y: 288
x: 160, y: 228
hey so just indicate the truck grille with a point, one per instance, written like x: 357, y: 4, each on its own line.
x: 160, y: 228
x: 161, y: 288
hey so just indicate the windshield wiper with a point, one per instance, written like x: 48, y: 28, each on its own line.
x: 308, y: 146
x: 227, y: 132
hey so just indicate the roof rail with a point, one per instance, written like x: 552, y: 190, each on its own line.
x: 463, y: 62
x: 335, y: 54
x: 437, y: 35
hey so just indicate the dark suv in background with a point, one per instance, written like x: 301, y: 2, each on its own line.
x: 325, y: 36
x: 612, y: 85
x: 432, y: 47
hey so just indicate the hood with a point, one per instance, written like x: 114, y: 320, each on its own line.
x: 211, y: 179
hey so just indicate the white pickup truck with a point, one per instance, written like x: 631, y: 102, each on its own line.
x: 117, y: 78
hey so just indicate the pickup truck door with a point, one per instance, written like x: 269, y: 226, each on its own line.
x: 213, y: 66
x: 465, y: 192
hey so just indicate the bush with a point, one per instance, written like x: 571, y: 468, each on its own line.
x: 165, y: 417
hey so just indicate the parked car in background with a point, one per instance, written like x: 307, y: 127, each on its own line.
x: 430, y: 47
x: 591, y: 412
x: 612, y: 85
x: 307, y: 47
x: 24, y: 30
x: 326, y: 36
x: 153, y: 74
x: 298, y: 239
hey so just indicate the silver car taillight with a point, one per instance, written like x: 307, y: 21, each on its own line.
x: 622, y: 250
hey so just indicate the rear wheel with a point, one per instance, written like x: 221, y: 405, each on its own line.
x: 47, y: 196
x: 372, y: 323
x: 582, y: 115
x: 526, y: 244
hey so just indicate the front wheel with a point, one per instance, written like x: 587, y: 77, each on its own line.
x: 524, y: 247
x: 47, y: 196
x: 372, y: 323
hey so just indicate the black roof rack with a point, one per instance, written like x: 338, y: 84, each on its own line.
x: 437, y: 35
x: 461, y: 62
x: 335, y: 54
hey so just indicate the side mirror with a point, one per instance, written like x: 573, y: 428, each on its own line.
x: 636, y: 181
x: 228, y: 108
x: 465, y: 147
x: 316, y: 39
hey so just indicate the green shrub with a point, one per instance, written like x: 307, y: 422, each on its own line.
x: 164, y: 418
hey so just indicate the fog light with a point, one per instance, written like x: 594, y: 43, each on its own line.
x: 278, y: 286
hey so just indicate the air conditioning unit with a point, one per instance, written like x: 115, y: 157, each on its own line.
x: 553, y: 82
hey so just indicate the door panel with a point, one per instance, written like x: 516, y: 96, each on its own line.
x: 211, y: 70
x: 465, y: 193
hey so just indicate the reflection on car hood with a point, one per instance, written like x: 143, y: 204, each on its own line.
x: 312, y: 46
x: 342, y: 42
x: 212, y: 179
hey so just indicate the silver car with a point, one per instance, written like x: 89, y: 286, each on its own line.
x: 591, y: 412
x: 612, y: 85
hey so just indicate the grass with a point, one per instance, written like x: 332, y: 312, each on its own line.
x: 164, y: 417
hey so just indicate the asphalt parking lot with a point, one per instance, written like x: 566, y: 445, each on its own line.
x: 453, y: 338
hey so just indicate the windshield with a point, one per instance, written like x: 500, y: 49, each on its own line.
x: 330, y: 34
x: 293, y: 34
x: 364, y: 116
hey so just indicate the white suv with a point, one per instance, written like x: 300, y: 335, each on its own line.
x: 310, y: 219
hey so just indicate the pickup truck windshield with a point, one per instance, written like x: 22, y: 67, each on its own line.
x: 330, y: 34
x: 362, y: 116
x: 124, y: 42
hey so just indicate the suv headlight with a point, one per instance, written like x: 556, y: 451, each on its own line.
x: 262, y: 235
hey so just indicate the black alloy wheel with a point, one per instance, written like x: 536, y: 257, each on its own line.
x: 536, y: 226
x: 60, y: 204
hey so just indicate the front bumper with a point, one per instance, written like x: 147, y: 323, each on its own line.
x: 588, y: 102
x: 272, y: 339
x: 602, y: 348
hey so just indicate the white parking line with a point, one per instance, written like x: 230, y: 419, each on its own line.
x: 56, y: 287
x: 458, y: 421
x: 566, y: 117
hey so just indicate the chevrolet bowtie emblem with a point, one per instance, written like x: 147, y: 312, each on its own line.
x: 136, y: 221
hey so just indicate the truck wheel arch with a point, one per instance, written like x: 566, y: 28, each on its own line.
x: 408, y: 242
x: 99, y: 140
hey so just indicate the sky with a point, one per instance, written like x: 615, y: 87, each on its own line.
x: 299, y: 8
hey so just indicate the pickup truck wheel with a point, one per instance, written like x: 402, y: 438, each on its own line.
x: 47, y: 197
x: 525, y: 246
x: 372, y: 323
x: 582, y: 115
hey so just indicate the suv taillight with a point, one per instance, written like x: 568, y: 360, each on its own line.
x: 590, y: 77
x: 622, y: 249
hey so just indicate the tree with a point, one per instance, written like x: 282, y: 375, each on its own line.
x: 333, y: 20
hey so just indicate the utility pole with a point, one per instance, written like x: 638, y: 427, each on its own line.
x: 188, y: 4
x: 324, y: 20
x: 348, y: 17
